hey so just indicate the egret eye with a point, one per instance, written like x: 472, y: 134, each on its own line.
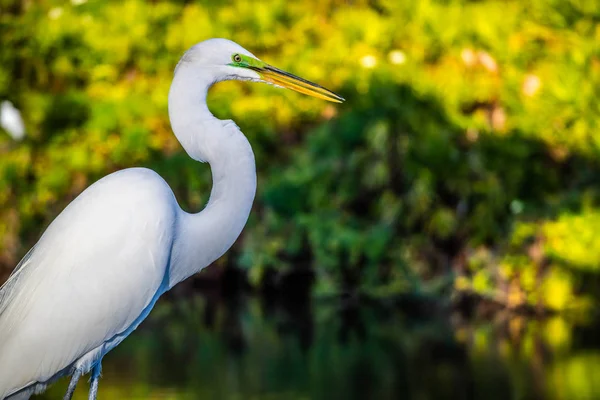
x: 237, y: 58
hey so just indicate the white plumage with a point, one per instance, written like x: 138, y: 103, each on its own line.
x: 99, y: 282
x: 98, y: 269
x: 11, y: 120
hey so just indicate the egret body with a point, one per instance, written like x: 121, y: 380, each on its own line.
x: 101, y: 265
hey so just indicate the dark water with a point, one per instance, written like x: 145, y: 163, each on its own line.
x: 203, y: 348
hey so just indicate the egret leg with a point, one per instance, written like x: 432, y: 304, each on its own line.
x: 94, y: 380
x: 73, y: 384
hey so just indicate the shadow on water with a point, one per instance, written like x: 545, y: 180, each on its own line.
x: 230, y: 344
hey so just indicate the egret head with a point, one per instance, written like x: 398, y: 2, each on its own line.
x: 229, y: 60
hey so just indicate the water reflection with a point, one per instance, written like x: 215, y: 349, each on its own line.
x: 206, y: 347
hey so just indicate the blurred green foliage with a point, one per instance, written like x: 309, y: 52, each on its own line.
x: 251, y: 350
x: 468, y: 147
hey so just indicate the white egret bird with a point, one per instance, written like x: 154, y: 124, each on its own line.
x: 101, y: 265
x: 11, y: 120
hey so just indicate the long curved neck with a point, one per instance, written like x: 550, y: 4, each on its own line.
x: 204, y: 237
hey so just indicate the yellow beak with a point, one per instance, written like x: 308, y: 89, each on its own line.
x: 287, y: 80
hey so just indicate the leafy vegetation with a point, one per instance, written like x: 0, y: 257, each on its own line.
x: 200, y: 348
x: 467, y: 150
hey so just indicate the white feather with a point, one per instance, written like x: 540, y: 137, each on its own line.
x: 11, y: 120
x: 94, y: 270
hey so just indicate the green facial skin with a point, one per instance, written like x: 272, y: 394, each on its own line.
x: 246, y: 62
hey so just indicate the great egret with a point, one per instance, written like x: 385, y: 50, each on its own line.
x: 11, y: 121
x: 102, y: 264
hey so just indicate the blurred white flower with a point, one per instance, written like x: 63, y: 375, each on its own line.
x: 368, y: 61
x: 11, y: 121
x: 531, y: 85
x: 329, y: 112
x: 471, y: 58
x: 468, y: 57
x: 516, y: 206
x: 498, y: 118
x: 55, y: 13
x: 78, y: 2
x: 472, y: 134
x: 487, y: 61
x: 397, y: 57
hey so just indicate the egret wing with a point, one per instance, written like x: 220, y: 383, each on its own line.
x: 7, y: 289
x: 93, y: 272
